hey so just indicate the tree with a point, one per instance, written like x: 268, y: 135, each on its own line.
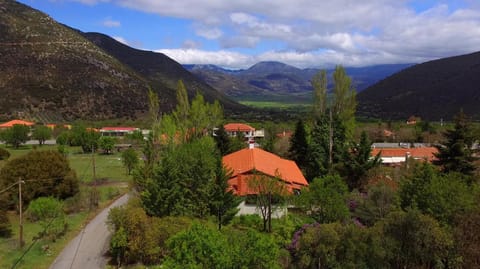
x: 358, y: 162
x: 378, y: 202
x: 41, y: 133
x: 467, y: 237
x: 441, y: 196
x: 414, y: 240
x: 86, y: 138
x: 130, y: 159
x: 48, y: 211
x: 199, y: 247
x: 106, y: 143
x: 182, y: 110
x: 299, y: 145
x: 325, y: 199
x: 222, y: 140
x: 334, y: 121
x: 223, y: 203
x: 16, y: 135
x: 182, y: 184
x: 269, y: 195
x: 46, y: 173
x: 456, y: 155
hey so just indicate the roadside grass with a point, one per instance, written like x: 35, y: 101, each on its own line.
x: 112, y: 182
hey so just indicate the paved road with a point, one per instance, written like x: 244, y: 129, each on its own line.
x: 88, y: 249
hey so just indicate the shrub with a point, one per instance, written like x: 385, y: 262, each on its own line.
x: 4, y: 154
x: 5, y: 229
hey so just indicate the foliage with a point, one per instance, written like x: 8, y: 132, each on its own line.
x: 440, y: 195
x: 135, y: 137
x: 199, y: 247
x: 4, y: 154
x: 48, y: 211
x: 41, y: 133
x: 140, y: 238
x: 182, y: 110
x: 375, y: 205
x: 326, y: 150
x: 5, y: 229
x: 183, y: 184
x: 16, y: 135
x: 358, y: 162
x: 222, y: 140
x: 204, y: 247
x: 456, y: 155
x: 130, y: 159
x: 325, y: 199
x: 86, y: 138
x: 298, y: 151
x: 223, y: 204
x: 467, y: 237
x: 46, y: 173
x: 106, y: 143
x: 414, y: 240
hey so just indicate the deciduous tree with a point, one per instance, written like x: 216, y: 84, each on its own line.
x: 41, y: 133
x: 130, y: 159
x: 16, y: 135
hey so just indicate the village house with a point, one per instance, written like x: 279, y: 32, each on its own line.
x: 117, y: 131
x: 234, y: 129
x: 10, y: 124
x: 397, y: 156
x: 248, y: 163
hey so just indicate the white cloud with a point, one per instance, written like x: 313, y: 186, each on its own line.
x: 108, y: 22
x: 307, y: 32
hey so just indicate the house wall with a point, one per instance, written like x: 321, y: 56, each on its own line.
x: 248, y: 209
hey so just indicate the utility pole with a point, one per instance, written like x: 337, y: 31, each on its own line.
x: 20, y: 243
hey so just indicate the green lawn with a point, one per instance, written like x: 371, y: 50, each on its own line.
x: 112, y: 181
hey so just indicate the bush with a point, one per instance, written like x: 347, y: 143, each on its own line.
x: 140, y: 238
x: 5, y: 229
x: 48, y: 211
x: 46, y: 173
x: 4, y: 154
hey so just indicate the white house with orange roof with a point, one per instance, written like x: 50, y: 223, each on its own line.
x: 250, y: 162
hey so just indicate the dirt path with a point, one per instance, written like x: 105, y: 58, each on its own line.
x: 87, y: 249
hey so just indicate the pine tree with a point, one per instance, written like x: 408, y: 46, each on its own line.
x: 358, y: 162
x: 456, y: 155
x: 222, y: 140
x: 299, y: 145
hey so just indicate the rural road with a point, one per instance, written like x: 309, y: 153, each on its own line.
x: 87, y: 249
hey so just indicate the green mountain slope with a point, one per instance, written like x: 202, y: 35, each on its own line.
x: 50, y: 69
x: 432, y: 90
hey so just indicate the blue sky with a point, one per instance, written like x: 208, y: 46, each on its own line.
x: 303, y: 33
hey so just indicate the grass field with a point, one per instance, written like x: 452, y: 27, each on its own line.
x: 113, y: 182
x: 274, y: 104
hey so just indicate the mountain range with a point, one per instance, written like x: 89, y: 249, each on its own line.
x: 51, y: 71
x: 432, y: 90
x: 271, y: 79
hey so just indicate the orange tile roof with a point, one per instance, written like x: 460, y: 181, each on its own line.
x: 16, y: 122
x: 118, y: 129
x: 426, y: 153
x: 233, y: 127
x: 245, y: 161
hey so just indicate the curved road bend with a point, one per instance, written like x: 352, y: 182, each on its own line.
x: 88, y: 248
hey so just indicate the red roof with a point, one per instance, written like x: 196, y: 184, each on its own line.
x: 244, y: 162
x: 426, y: 153
x: 16, y: 122
x: 233, y: 127
x: 118, y: 129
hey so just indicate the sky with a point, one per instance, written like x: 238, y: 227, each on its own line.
x: 303, y: 33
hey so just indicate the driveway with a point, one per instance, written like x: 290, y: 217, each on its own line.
x: 88, y: 249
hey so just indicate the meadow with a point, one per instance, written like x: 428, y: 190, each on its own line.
x: 112, y: 181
